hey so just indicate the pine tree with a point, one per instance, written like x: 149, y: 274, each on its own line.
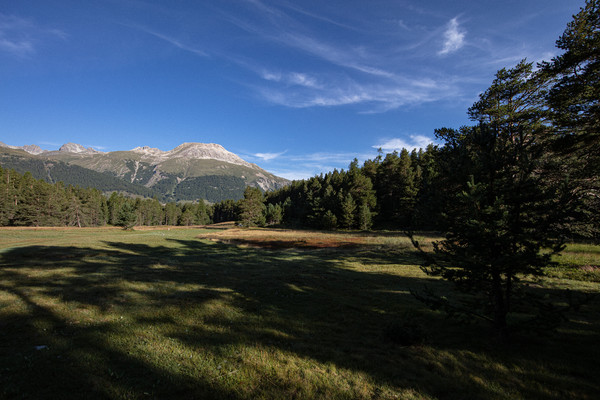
x: 172, y: 213
x: 127, y: 216
x: 154, y: 211
x: 396, y: 189
x: 502, y: 216
x: 365, y: 217
x: 226, y: 210
x: 252, y: 207
x: 9, y: 182
x: 188, y: 215
x: 274, y: 214
x: 574, y: 107
x: 114, y: 204
x: 315, y: 209
x: 32, y: 202
x: 347, y: 211
x: 202, y: 213
x: 329, y: 221
x: 428, y: 199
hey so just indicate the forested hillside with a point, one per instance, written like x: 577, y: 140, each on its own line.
x: 53, y: 171
x: 182, y: 174
x: 26, y: 201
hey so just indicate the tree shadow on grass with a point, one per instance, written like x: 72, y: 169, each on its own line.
x: 98, y: 309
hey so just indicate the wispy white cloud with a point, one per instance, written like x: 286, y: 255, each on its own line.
x: 346, y: 57
x: 295, y: 175
x: 349, y: 74
x: 379, y: 96
x: 271, y: 76
x: 53, y: 144
x: 329, y: 89
x: 291, y: 78
x: 303, y: 166
x: 18, y: 36
x: 400, y: 23
x: 366, y: 73
x: 16, y: 47
x: 281, y: 28
x: 325, y: 157
x: 414, y: 142
x: 265, y: 8
x: 305, y: 80
x: 15, y: 36
x: 100, y: 148
x: 269, y: 156
x: 171, y: 40
x: 454, y: 38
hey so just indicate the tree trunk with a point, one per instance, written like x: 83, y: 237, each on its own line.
x: 500, y: 309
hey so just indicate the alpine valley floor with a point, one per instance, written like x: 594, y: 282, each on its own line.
x: 249, y: 314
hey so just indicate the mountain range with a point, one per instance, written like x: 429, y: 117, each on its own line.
x: 188, y: 172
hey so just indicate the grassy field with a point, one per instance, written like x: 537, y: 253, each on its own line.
x: 247, y: 314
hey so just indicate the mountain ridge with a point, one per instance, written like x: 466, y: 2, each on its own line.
x: 187, y: 172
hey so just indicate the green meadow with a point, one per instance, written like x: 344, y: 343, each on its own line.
x: 194, y: 314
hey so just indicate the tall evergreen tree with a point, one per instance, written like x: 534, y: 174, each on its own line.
x: 202, y: 213
x: 274, y: 214
x: 502, y: 216
x: 252, y: 207
x: 396, y: 189
x: 32, y: 201
x: 574, y: 102
x: 114, y: 204
x: 127, y: 215
x: 226, y: 210
x: 428, y: 199
x: 8, y: 199
x: 348, y: 211
x: 188, y: 215
x: 172, y: 213
x: 365, y: 217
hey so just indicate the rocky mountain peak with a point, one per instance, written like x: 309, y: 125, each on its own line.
x: 30, y: 148
x: 33, y: 149
x: 2, y: 144
x: 77, y: 148
x: 147, y: 150
x: 204, y: 151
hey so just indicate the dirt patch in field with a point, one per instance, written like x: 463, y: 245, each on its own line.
x: 287, y: 239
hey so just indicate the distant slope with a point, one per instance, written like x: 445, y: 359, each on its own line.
x: 188, y: 172
x: 57, y: 171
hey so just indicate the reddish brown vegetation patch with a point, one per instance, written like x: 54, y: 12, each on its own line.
x: 286, y: 239
x: 290, y: 244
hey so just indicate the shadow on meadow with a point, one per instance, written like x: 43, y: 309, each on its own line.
x: 89, y: 311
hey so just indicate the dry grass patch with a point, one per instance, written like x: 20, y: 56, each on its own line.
x: 303, y: 239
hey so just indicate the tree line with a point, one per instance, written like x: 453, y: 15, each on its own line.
x: 533, y: 151
x: 395, y: 191
x: 26, y: 201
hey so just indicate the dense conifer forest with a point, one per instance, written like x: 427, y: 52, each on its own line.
x: 26, y: 201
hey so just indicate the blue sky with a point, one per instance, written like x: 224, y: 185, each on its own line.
x: 298, y: 87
